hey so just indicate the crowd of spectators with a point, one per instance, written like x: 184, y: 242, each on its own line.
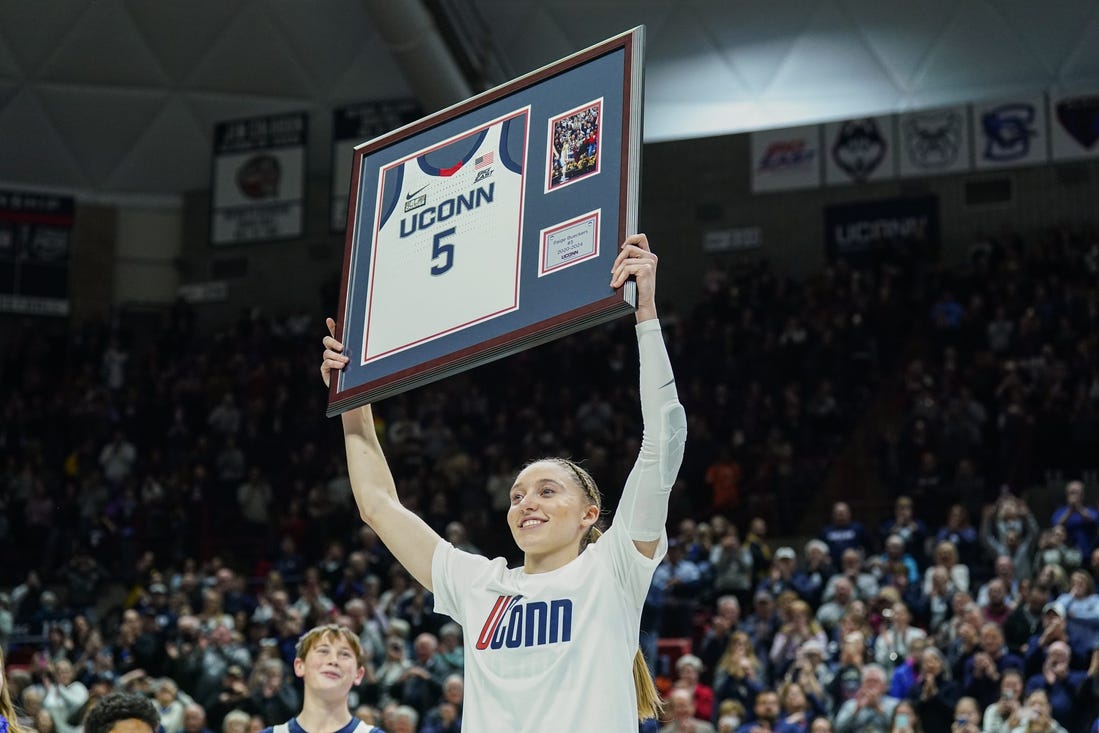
x: 176, y: 510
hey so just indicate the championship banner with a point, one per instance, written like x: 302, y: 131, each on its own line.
x: 862, y: 228
x: 1009, y: 132
x: 933, y: 142
x: 1074, y: 125
x: 786, y: 159
x: 490, y: 227
x: 258, y: 188
x: 357, y: 124
x: 858, y: 151
x: 35, y: 237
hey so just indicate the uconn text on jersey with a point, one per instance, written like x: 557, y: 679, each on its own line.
x: 447, y: 209
x: 511, y: 624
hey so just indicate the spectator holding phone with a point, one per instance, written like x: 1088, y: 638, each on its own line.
x: 967, y: 717
x: 998, y: 714
x: 1035, y: 716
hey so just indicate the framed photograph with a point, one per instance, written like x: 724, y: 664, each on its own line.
x: 574, y: 145
x: 491, y: 226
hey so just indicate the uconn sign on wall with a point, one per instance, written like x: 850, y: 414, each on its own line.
x: 511, y: 624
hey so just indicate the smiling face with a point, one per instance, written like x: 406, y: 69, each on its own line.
x: 550, y: 513
x: 329, y: 665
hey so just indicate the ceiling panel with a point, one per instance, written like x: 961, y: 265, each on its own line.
x: 165, y: 150
x: 31, y: 150
x: 900, y: 39
x: 830, y: 58
x: 179, y: 33
x: 8, y: 65
x: 104, y: 48
x: 323, y: 48
x: 372, y: 74
x: 1083, y: 62
x: 33, y: 30
x: 1052, y: 30
x: 251, y: 57
x: 99, y: 126
x: 122, y: 95
x: 977, y: 31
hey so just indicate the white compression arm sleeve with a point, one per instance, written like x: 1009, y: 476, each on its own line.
x: 643, y: 510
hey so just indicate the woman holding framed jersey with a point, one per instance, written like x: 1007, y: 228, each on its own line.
x: 551, y: 645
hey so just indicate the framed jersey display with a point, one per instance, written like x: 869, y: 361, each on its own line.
x: 491, y: 226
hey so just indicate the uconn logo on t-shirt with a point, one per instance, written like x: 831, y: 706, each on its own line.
x: 512, y: 624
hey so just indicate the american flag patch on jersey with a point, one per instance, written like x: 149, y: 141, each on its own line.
x: 482, y: 160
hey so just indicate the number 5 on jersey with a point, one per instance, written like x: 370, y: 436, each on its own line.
x: 438, y: 249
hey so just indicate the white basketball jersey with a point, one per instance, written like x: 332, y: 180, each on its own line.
x: 447, y: 241
x: 549, y: 651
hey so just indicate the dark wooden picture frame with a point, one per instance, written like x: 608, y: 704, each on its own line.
x: 447, y: 226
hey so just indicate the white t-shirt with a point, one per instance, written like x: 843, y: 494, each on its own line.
x: 548, y: 651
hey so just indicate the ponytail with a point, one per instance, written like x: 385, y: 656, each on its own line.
x: 649, y: 704
x: 7, y: 709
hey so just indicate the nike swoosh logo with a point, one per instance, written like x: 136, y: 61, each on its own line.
x: 408, y: 196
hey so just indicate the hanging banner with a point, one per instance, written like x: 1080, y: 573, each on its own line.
x: 258, y: 191
x: 865, y: 227
x: 35, y: 237
x: 786, y: 159
x: 933, y: 142
x: 1074, y: 125
x: 859, y: 150
x: 355, y: 124
x: 1009, y: 132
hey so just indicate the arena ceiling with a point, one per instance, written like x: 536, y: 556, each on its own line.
x: 117, y: 98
